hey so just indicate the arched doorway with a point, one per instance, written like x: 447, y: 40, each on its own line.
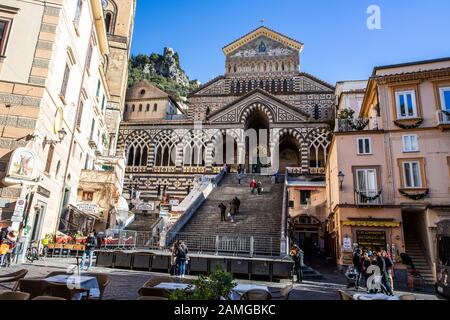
x: 257, y: 154
x: 289, y: 153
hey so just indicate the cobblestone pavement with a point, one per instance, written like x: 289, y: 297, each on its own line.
x: 126, y: 283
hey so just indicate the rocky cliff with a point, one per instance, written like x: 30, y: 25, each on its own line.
x: 162, y: 70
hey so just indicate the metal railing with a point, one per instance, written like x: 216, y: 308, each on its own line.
x: 369, y: 197
x: 359, y: 124
x: 443, y: 117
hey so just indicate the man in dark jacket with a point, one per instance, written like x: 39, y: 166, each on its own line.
x: 357, y: 266
x: 381, y: 263
x: 297, y: 255
x: 223, y: 211
x: 237, y: 203
x: 91, y: 243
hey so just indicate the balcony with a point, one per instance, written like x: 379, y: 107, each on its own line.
x: 368, y: 197
x: 360, y: 124
x: 443, y: 119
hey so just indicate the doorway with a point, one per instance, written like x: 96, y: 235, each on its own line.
x: 257, y: 142
x: 39, y: 217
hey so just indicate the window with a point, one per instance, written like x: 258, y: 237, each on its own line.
x: 366, y: 185
x: 89, y: 57
x: 80, y: 114
x: 76, y: 20
x: 155, y: 107
x: 410, y: 143
x: 48, y: 165
x: 103, y: 103
x: 58, y: 166
x: 133, y: 108
x: 406, y: 104
x: 140, y: 108
x: 445, y: 98
x: 92, y: 130
x: 411, y: 174
x: 65, y: 81
x: 305, y: 197
x: 4, y: 33
x: 364, y: 145
x: 88, y: 196
x: 108, y: 19
x: 98, y: 89
x: 126, y: 108
x: 147, y: 108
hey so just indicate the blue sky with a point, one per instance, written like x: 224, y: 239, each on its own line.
x: 338, y: 44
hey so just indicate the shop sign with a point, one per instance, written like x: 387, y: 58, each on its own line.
x: 174, y: 202
x: 43, y: 192
x: 87, y: 207
x: 347, y: 243
x: 22, y: 164
x: 146, y: 206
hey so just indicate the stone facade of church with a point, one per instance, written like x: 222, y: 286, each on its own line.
x: 262, y: 89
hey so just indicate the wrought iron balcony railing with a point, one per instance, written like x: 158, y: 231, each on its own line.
x: 369, y: 197
x: 359, y: 124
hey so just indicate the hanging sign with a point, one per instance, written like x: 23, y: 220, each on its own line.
x: 22, y: 164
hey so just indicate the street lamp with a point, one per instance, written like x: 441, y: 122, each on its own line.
x: 61, y: 135
x: 341, y: 177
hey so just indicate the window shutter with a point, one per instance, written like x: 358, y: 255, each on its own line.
x: 48, y: 165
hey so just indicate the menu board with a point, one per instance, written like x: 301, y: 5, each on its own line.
x: 371, y: 240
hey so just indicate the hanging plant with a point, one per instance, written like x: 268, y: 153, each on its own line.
x: 365, y: 198
x: 409, y: 126
x: 415, y: 196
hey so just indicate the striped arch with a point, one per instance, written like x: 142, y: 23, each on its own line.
x: 257, y: 106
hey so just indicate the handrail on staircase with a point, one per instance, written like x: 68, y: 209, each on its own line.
x: 284, y: 234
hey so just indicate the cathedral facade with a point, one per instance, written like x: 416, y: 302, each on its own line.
x: 262, y: 91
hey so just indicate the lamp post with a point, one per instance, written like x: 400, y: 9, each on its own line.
x: 341, y: 177
x: 61, y: 135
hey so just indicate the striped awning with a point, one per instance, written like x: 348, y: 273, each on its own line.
x: 380, y: 224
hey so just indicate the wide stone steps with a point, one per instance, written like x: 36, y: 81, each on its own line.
x: 417, y: 254
x: 259, y: 215
x: 142, y: 223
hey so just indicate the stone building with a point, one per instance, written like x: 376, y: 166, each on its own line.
x: 262, y: 89
x: 54, y: 94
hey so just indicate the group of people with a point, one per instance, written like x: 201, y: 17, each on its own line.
x: 179, y: 259
x: 363, y: 259
x: 256, y: 186
x: 233, y: 211
x: 8, y: 240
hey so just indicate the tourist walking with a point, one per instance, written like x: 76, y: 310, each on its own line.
x: 91, y: 244
x: 181, y: 255
x: 253, y: 185
x: 259, y: 186
x: 239, y: 177
x: 357, y: 266
x: 237, y: 203
x: 7, y: 244
x: 381, y: 263
x: 365, y: 263
x: 389, y: 268
x: 297, y: 255
x: 232, y: 212
x: 173, y: 259
x: 223, y: 212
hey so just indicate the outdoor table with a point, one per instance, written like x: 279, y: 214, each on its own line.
x: 78, y: 282
x: 240, y: 289
x: 171, y: 286
x: 377, y: 296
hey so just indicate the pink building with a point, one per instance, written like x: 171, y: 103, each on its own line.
x: 388, y: 167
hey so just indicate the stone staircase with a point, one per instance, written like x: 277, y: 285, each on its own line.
x: 142, y: 223
x: 415, y: 250
x: 259, y: 215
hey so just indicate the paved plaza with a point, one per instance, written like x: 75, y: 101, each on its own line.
x: 126, y: 283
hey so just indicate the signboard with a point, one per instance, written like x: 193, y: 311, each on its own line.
x: 174, y: 202
x: 43, y: 192
x: 146, y: 206
x: 347, y: 243
x: 22, y: 164
x: 19, y: 210
x: 87, y: 207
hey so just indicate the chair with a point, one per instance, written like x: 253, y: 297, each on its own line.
x: 344, y: 295
x: 286, y: 291
x: 153, y: 292
x: 49, y: 298
x: 408, y: 297
x: 256, y: 294
x: 35, y: 287
x: 13, y: 277
x: 102, y: 280
x: 61, y: 290
x: 153, y: 282
x: 151, y: 298
x: 14, y: 295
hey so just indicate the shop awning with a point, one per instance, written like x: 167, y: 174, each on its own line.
x: 380, y: 224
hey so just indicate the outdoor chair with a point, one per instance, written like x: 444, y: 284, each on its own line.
x: 153, y: 292
x: 14, y: 295
x: 35, y: 287
x: 151, y: 298
x: 62, y: 291
x: 408, y: 297
x: 49, y: 298
x: 13, y: 277
x: 256, y: 295
x: 102, y: 280
x: 344, y: 295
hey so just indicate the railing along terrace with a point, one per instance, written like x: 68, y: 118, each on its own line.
x: 369, y: 197
x: 136, y: 169
x: 359, y: 124
x: 443, y: 117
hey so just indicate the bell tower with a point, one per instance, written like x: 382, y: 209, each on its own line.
x: 119, y: 18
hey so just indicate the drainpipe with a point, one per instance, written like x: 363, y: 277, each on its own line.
x: 69, y: 154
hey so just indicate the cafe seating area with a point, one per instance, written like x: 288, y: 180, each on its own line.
x: 347, y: 296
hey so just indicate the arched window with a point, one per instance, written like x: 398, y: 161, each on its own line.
x: 108, y: 20
x: 155, y: 107
x: 165, y: 150
x: 282, y: 66
x: 126, y: 108
x: 133, y: 108
x: 137, y: 152
x: 140, y: 108
x: 318, y: 150
x: 147, y: 108
x: 238, y: 87
x: 194, y: 151
x: 235, y: 68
